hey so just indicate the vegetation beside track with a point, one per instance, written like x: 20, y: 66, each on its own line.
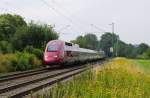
x: 22, y: 43
x: 145, y: 64
x: 18, y: 62
x: 119, y: 78
x: 17, y: 35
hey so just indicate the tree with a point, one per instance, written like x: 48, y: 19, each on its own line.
x: 142, y: 48
x: 130, y: 51
x: 5, y: 47
x: 80, y: 40
x: 92, y: 42
x: 8, y: 25
x: 146, y: 54
x: 33, y: 35
x: 121, y: 46
x: 107, y: 41
x: 88, y: 41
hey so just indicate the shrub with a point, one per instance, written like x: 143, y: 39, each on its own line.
x: 29, y: 49
x: 27, y: 61
x: 8, y: 62
x: 37, y: 52
x: 18, y: 62
x: 145, y: 55
x: 5, y: 47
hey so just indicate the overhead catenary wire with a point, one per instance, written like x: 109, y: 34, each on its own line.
x: 55, y: 10
x: 79, y: 20
x: 17, y: 9
x: 83, y: 23
x: 3, y: 10
x: 73, y: 21
x: 13, y: 9
x: 61, y: 13
x: 97, y: 28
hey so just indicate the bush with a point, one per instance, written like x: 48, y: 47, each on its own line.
x: 145, y: 55
x: 8, y: 63
x: 18, y: 62
x: 5, y: 47
x: 27, y: 61
x: 37, y: 52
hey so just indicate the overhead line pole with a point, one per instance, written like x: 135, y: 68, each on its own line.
x: 117, y: 47
x: 113, y: 29
x: 112, y: 24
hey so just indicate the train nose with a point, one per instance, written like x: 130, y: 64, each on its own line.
x: 50, y: 58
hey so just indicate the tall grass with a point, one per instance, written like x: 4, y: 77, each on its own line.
x: 119, y: 78
x: 18, y: 62
x: 145, y: 64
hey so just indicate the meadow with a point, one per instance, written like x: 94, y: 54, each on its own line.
x: 118, y: 78
x: 144, y: 64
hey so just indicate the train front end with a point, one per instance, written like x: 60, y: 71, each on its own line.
x: 53, y: 53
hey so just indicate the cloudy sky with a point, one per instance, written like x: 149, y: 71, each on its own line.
x: 74, y: 17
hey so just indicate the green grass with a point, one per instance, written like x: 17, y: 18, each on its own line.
x: 120, y: 78
x: 144, y: 63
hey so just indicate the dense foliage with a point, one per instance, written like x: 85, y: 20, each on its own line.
x: 33, y: 35
x: 27, y: 38
x: 108, y: 41
x: 17, y: 34
x: 18, y: 62
x: 89, y: 41
x: 9, y: 24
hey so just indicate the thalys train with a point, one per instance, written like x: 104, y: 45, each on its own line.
x: 61, y: 52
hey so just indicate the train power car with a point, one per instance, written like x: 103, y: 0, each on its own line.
x: 60, y: 52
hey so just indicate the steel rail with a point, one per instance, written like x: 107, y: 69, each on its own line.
x: 22, y: 74
x: 34, y: 80
x: 22, y: 89
x: 47, y: 78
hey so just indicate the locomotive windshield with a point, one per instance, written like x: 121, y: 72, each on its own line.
x: 52, y: 48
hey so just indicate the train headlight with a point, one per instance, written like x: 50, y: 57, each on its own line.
x: 55, y: 56
x: 45, y: 56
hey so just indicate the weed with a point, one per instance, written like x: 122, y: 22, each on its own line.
x: 119, y: 78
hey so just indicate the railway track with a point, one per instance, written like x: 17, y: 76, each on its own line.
x: 16, y: 75
x: 18, y: 85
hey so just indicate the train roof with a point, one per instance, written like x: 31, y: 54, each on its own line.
x: 87, y: 50
x: 57, y: 41
x: 73, y: 47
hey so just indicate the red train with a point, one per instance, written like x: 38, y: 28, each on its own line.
x: 60, y: 52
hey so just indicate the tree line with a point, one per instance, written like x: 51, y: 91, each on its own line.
x: 110, y: 40
x: 16, y: 34
x: 22, y: 44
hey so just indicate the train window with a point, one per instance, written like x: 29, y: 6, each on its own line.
x: 52, y: 48
x: 69, y: 53
x: 68, y: 44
